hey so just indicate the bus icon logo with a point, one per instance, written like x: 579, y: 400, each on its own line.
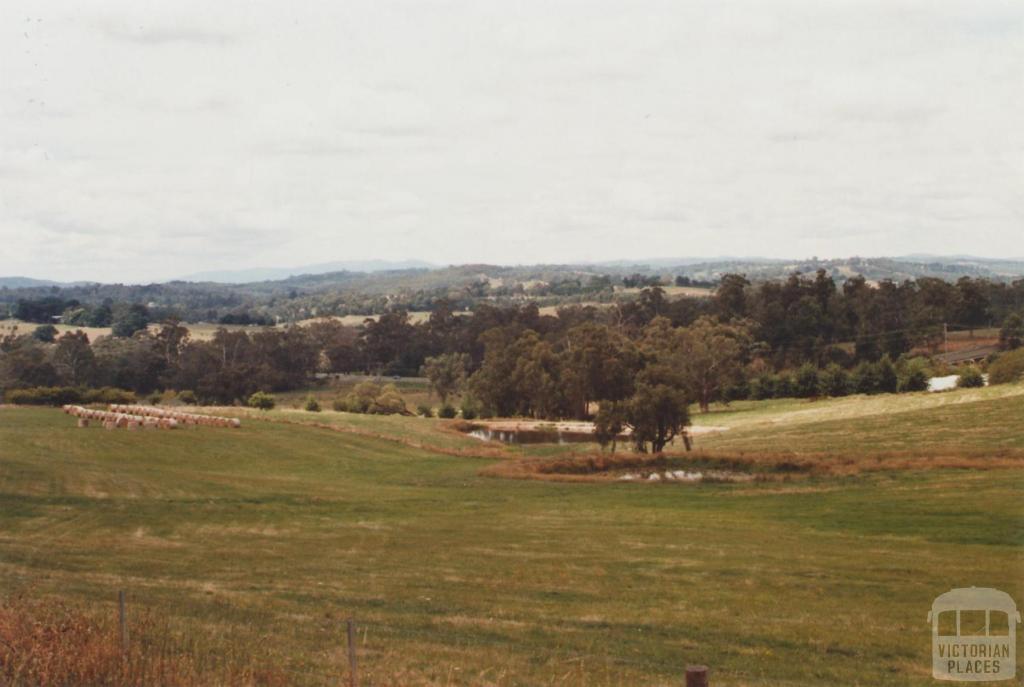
x: 974, y: 635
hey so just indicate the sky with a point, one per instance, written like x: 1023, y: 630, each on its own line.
x: 144, y: 140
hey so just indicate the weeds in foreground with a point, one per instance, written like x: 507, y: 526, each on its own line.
x: 44, y: 643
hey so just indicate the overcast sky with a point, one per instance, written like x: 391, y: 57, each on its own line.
x: 143, y: 140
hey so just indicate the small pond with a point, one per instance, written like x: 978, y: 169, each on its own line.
x: 530, y: 436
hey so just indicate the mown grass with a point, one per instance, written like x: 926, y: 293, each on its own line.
x: 269, y: 536
x: 966, y: 422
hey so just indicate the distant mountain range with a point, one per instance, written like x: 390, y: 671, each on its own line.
x: 24, y: 282
x: 257, y: 274
x: 385, y: 276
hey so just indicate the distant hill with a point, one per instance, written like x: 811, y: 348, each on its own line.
x: 259, y: 274
x: 25, y: 282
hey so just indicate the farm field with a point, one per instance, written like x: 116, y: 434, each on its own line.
x: 271, y: 535
x: 201, y: 331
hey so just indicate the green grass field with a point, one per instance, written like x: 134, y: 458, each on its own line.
x: 266, y: 538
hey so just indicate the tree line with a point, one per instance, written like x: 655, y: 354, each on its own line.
x: 805, y: 336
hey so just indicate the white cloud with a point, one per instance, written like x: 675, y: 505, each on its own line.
x: 142, y: 142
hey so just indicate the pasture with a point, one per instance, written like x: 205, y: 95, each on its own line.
x: 267, y: 537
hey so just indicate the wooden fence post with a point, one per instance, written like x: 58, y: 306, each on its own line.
x: 696, y: 676
x: 353, y: 679
x: 123, y: 621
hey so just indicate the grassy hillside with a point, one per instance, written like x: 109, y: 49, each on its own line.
x: 271, y: 535
x: 960, y: 422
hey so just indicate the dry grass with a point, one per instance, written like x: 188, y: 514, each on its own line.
x: 47, y: 643
x: 763, y: 466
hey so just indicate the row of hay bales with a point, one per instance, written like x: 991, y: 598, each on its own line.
x: 145, y: 417
x: 112, y: 420
x: 180, y: 416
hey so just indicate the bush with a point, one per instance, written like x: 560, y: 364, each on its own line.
x: 447, y: 411
x: 108, y: 394
x: 763, y: 387
x: 469, y: 408
x: 262, y: 400
x: 970, y: 378
x: 1011, y: 335
x: 915, y: 379
x: 374, y: 399
x: 188, y: 397
x: 888, y: 380
x: 340, y: 404
x: 63, y: 395
x: 913, y: 374
x: 424, y: 410
x: 155, y: 398
x: 44, y: 396
x: 864, y: 379
x: 45, y: 333
x: 785, y: 386
x: 807, y: 382
x: 835, y: 381
x: 1007, y: 368
x: 312, y: 405
x: 739, y: 391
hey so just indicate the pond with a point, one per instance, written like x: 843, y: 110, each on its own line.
x: 531, y: 436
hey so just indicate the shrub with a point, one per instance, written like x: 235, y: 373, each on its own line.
x: 155, y: 398
x: 62, y: 395
x: 340, y: 404
x: 763, y: 387
x: 108, y: 394
x: 888, y: 381
x: 188, y: 397
x: 970, y: 378
x: 865, y: 379
x: 915, y: 379
x: 262, y: 400
x: 807, y: 383
x: 469, y: 408
x: 372, y: 398
x: 45, y: 333
x: 447, y: 411
x: 736, y: 392
x: 785, y: 386
x: 44, y: 396
x: 913, y: 375
x: 835, y: 381
x: 424, y: 410
x: 312, y: 405
x: 1007, y: 368
x: 388, y: 402
x: 1011, y: 335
